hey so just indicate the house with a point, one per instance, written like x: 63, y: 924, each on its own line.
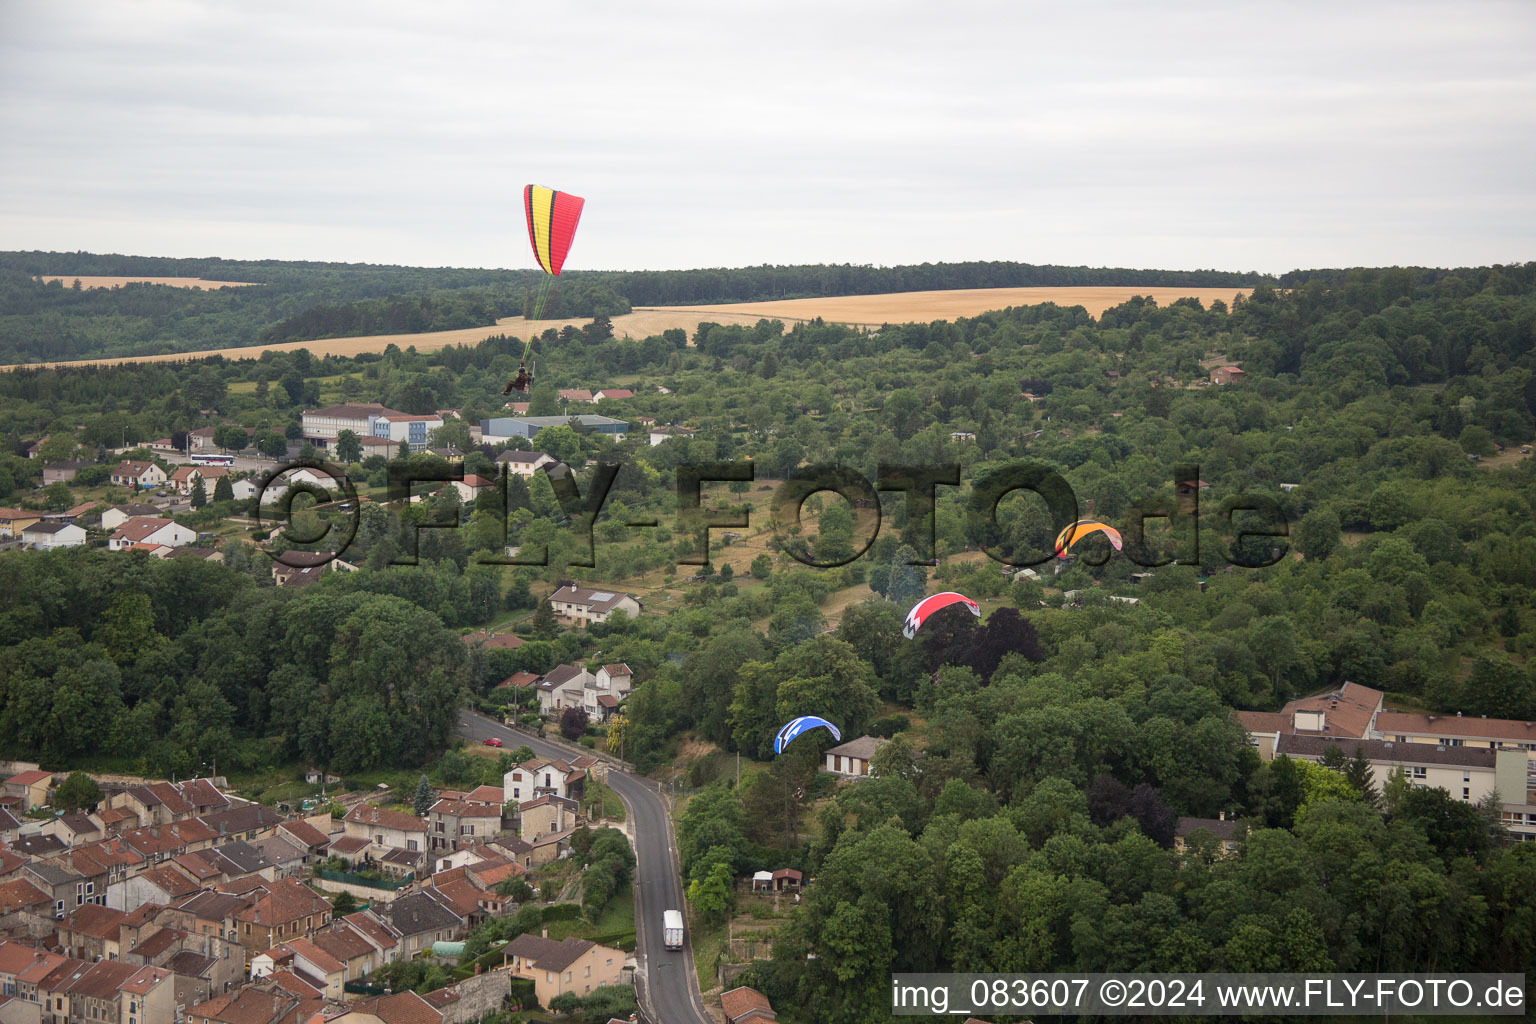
x: 148, y: 996
x: 517, y: 408
x: 615, y: 394
x: 1468, y: 774
x: 14, y: 521
x: 279, y: 912
x: 136, y: 474
x: 164, y: 446
x: 244, y: 489
x: 851, y: 759
x: 306, y: 836
x: 312, y: 964
x: 1226, y: 833
x: 602, y: 697
x: 73, y: 829
x: 575, y: 395
x: 32, y: 788
x: 449, y: 454
x: 155, y: 803
x: 35, y: 449
x: 545, y: 815
x: 1456, y: 731
x: 418, y: 920
x: 524, y: 464
x: 59, y: 880
x: 1226, y: 375
x: 579, y: 606
x: 787, y: 879
x: 245, y: 820
x: 543, y: 777
x: 574, y: 965
x: 47, y: 536
x: 562, y: 687
x: 472, y: 486
x: 69, y: 515
x: 150, y: 530
x: 1349, y: 712
x: 494, y: 641
x: 253, y: 1004
x: 399, y: 1008
x: 452, y: 824
x: 746, y: 1005
x: 90, y: 932
x: 301, y: 568
x: 184, y: 480
x: 388, y: 830
x: 62, y: 472
x: 117, y: 515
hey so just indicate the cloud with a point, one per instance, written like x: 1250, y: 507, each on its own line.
x: 1108, y: 134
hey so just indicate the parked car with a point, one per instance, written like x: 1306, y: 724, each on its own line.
x: 492, y: 741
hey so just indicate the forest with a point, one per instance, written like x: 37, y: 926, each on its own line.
x: 1022, y: 820
x: 297, y: 301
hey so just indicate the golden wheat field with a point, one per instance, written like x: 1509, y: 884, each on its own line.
x: 865, y: 310
x: 114, y: 282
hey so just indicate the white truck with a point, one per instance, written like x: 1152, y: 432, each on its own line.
x: 672, y: 929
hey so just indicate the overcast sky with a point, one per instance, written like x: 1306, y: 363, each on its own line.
x: 1237, y: 136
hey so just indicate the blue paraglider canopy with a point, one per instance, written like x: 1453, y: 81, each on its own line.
x: 795, y: 726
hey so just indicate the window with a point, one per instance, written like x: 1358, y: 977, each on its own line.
x: 379, y: 839
x: 1418, y: 772
x: 588, y: 972
x: 1466, y: 794
x: 567, y: 975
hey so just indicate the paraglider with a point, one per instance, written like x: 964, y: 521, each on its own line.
x: 928, y: 605
x: 552, y: 220
x: 1082, y: 528
x: 795, y: 726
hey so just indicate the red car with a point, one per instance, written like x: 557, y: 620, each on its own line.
x: 493, y: 742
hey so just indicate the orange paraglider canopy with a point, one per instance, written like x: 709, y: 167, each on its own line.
x: 552, y: 220
x: 1082, y: 528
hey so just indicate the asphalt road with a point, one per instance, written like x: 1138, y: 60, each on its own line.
x: 666, y: 983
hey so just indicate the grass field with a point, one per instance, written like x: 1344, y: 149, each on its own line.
x: 868, y: 310
x: 115, y: 282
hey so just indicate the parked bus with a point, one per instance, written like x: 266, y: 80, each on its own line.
x: 213, y: 460
x: 672, y: 929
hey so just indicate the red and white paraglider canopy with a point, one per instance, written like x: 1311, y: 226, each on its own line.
x: 928, y: 605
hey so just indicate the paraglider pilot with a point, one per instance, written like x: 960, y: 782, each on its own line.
x: 521, y: 382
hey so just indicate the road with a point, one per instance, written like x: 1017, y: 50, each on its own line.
x: 666, y: 983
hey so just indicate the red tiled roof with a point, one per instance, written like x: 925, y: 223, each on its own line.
x: 738, y: 1001
x: 1401, y: 724
x: 367, y: 814
x: 29, y: 778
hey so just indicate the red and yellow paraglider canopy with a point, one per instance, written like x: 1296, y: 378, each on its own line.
x: 552, y: 220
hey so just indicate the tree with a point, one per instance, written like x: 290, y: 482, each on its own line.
x: 227, y: 436
x: 544, y: 624
x: 573, y: 723
x: 199, y: 492
x: 57, y: 496
x: 1317, y: 535
x: 343, y: 903
x: 79, y: 792
x: 762, y: 566
x: 223, y: 490
x: 348, y: 447
x: 273, y: 445
x: 421, y: 803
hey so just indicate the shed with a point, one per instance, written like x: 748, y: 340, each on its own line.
x: 786, y: 878
x: 762, y: 881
